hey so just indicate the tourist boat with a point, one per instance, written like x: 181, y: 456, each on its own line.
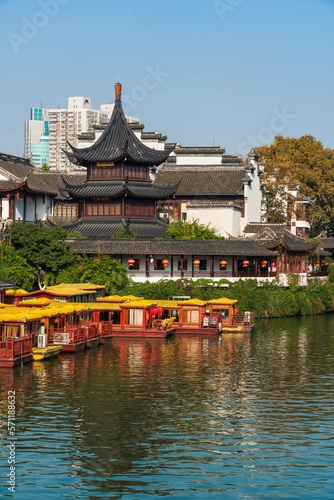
x: 63, y: 324
x: 194, y: 316
x: 18, y: 330
x: 228, y: 317
x: 140, y: 318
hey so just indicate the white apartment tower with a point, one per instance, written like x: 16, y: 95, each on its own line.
x: 65, y: 125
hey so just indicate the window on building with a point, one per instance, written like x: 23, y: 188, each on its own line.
x: 203, y: 265
x: 185, y: 265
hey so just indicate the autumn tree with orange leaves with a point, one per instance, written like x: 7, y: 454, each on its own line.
x: 305, y: 162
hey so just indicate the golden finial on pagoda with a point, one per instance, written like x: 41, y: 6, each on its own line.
x: 118, y: 91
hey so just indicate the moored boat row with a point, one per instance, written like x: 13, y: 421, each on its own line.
x: 41, y: 324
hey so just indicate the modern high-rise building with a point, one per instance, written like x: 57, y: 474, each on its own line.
x: 48, y: 131
x: 36, y: 137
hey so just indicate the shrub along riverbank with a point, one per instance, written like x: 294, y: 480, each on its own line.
x: 267, y: 301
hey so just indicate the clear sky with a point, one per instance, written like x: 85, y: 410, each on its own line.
x: 204, y: 72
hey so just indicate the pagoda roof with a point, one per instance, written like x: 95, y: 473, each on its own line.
x: 136, y: 189
x: 117, y: 143
x: 96, y: 228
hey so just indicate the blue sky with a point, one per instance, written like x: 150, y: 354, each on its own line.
x: 204, y: 72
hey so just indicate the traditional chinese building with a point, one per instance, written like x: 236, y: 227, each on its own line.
x: 118, y: 192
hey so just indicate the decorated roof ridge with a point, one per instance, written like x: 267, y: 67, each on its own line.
x: 35, y: 301
x: 194, y: 301
x: 199, y: 149
x: 117, y: 142
x: 84, y: 286
x: 168, y: 303
x: 222, y: 300
x: 139, y: 303
x: 15, y: 159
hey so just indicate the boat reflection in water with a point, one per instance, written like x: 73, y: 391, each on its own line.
x: 191, y: 416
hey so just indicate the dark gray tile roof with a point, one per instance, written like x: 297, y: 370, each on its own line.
x: 117, y: 142
x: 97, y: 228
x: 243, y: 248
x: 200, y: 150
x: 38, y: 184
x: 15, y: 165
x: 11, y: 184
x: 204, y: 181
x: 116, y: 188
x: 255, y: 227
x: 292, y: 243
x: 57, y: 181
x: 275, y: 235
x: 4, y: 284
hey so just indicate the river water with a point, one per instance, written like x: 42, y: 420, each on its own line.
x: 241, y: 416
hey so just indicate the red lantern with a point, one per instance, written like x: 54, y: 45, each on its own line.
x: 245, y: 263
x: 165, y: 262
x: 223, y: 263
x: 131, y: 262
x: 264, y: 262
x: 196, y: 262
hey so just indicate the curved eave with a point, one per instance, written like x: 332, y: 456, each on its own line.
x: 137, y: 190
x: 118, y: 142
x: 13, y: 188
x: 306, y: 248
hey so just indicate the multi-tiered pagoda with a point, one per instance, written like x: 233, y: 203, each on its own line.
x: 118, y: 194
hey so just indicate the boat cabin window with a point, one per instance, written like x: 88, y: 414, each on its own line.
x: 134, y: 317
x: 190, y: 316
x: 223, y: 312
x: 170, y: 313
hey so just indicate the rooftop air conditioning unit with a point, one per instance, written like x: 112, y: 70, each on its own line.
x: 163, y: 215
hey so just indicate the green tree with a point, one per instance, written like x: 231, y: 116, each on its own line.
x: 184, y: 230
x: 303, y: 161
x: 42, y: 247
x: 103, y: 270
x: 14, y: 267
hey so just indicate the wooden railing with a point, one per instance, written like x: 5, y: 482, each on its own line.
x: 15, y: 347
x: 105, y: 328
x: 245, y: 319
x: 67, y: 335
x: 92, y: 331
